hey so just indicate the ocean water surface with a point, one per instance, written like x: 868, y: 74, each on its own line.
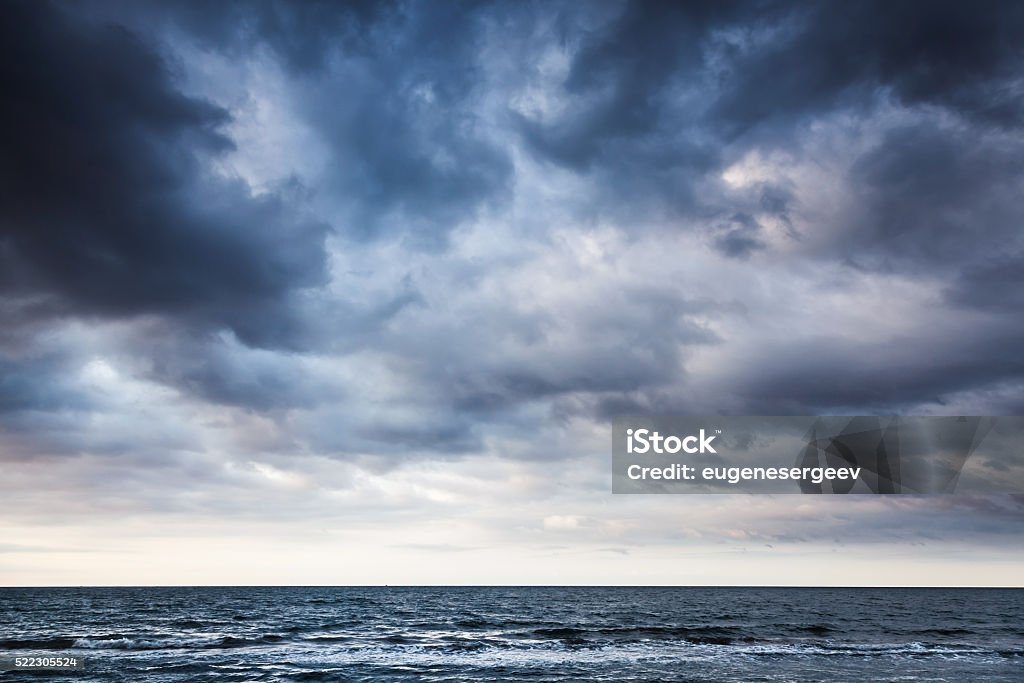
x: 511, y: 634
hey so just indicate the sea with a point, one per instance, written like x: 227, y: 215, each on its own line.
x: 517, y: 634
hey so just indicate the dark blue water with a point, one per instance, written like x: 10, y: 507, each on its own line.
x: 504, y: 634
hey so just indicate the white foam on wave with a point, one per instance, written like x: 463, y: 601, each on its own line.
x: 147, y: 643
x: 548, y: 653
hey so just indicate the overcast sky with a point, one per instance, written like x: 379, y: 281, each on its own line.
x: 349, y: 293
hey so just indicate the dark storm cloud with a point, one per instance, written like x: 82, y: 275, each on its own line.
x: 783, y: 61
x: 738, y: 236
x: 599, y: 363
x: 763, y: 72
x: 413, y: 153
x: 222, y: 371
x: 937, y: 195
x: 996, y: 284
x: 950, y: 54
x: 110, y: 209
x: 304, y: 35
x: 392, y: 88
x: 104, y: 202
x: 622, y: 74
x: 829, y: 375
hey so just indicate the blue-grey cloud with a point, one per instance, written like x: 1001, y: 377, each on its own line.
x: 106, y: 204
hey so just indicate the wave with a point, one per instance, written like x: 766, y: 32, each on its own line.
x: 815, y: 629
x: 187, y: 623
x: 946, y: 632
x: 123, y: 642
x: 704, y: 635
x: 574, y: 642
x: 112, y: 642
x: 57, y: 643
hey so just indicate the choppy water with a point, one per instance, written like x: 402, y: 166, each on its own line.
x: 536, y: 634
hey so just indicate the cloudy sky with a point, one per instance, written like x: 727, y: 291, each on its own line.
x: 349, y: 293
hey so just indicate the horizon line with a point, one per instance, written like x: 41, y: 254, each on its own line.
x: 553, y: 585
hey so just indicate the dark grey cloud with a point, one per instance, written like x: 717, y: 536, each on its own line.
x: 935, y: 195
x: 781, y: 62
x: 412, y: 153
x: 829, y: 375
x: 996, y: 284
x: 393, y: 90
x: 622, y: 76
x: 225, y: 372
x: 113, y: 210
x: 738, y: 236
x: 672, y: 94
x: 964, y: 58
x: 106, y: 203
x: 304, y: 36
